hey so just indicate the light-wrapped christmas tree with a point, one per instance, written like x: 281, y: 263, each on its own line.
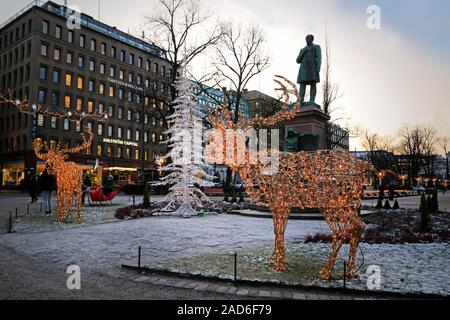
x: 186, y: 163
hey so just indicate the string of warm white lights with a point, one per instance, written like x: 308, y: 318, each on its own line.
x: 24, y: 107
x: 331, y: 180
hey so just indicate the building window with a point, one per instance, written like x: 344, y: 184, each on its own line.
x: 103, y: 48
x: 44, y: 49
x: 66, y: 124
x: 129, y: 115
x: 101, y: 108
x: 43, y: 72
x: 102, y: 68
x: 112, y: 72
x: 120, y: 113
x: 80, y: 82
x: 136, y: 154
x: 137, y: 135
x: 120, y: 93
x: 111, y: 91
x: 90, y: 106
x: 110, y: 130
x: 121, y: 74
x: 53, y: 122
x: 41, y: 96
x: 57, y: 54
x: 130, y: 77
x: 92, y: 64
x: 79, y: 104
x: 119, y: 132
x: 140, y: 62
x: 70, y: 36
x: 101, y: 88
x: 93, y: 45
x: 147, y: 65
x: 58, y: 32
x: 145, y: 136
x: 69, y: 58
x: 119, y: 152
x: 45, y: 26
x: 55, y: 99
x: 110, y: 111
x: 99, y: 150
x: 113, y: 52
x: 109, y: 151
x: 131, y: 59
x: 154, y: 137
x: 146, y: 155
x: 100, y: 129
x: 128, y: 134
x: 127, y: 153
x: 67, y: 101
x: 56, y: 76
x: 68, y: 79
x: 91, y: 86
x: 40, y: 120
x: 77, y: 126
x: 122, y: 55
x: 81, y: 61
x: 82, y: 41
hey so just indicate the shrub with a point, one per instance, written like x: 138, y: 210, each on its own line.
x: 424, y: 210
x: 396, y: 205
x: 146, y: 199
x: 379, y: 204
x: 434, y: 204
x: 387, y: 205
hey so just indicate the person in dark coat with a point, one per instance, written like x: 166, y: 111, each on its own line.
x: 87, y: 183
x: 47, y: 184
x: 32, y: 186
x: 109, y: 185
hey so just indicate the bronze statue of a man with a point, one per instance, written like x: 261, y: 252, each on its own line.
x: 310, y: 60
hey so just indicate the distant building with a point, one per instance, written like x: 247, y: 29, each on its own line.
x: 95, y: 67
x: 338, y: 137
x: 380, y: 159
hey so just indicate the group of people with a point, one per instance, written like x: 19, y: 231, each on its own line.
x: 45, y: 184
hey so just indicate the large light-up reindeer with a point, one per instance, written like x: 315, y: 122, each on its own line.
x: 69, y: 176
x: 331, y: 180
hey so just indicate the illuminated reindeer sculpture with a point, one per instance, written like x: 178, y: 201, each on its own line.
x: 69, y: 176
x: 331, y: 180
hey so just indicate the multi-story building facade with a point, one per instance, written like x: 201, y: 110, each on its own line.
x: 92, y: 67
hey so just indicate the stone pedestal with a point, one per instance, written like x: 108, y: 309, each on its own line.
x: 310, y: 119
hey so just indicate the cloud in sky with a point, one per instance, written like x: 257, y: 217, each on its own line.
x: 399, y: 74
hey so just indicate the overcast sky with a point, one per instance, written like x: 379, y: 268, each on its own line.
x: 389, y: 77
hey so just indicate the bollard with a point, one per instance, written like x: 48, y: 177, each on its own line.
x: 10, y: 223
x: 345, y: 276
x: 235, y: 267
x: 139, y: 258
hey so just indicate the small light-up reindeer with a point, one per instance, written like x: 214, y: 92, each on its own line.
x: 69, y: 176
x: 331, y: 180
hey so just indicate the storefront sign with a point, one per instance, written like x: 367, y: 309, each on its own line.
x: 125, y: 84
x: 121, y: 142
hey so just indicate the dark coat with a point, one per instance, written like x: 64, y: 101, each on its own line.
x: 47, y: 182
x: 310, y: 59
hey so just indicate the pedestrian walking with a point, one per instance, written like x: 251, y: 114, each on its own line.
x: 47, y: 184
x: 32, y: 186
x: 87, y: 183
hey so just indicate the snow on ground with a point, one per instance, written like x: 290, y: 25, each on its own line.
x: 423, y: 267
